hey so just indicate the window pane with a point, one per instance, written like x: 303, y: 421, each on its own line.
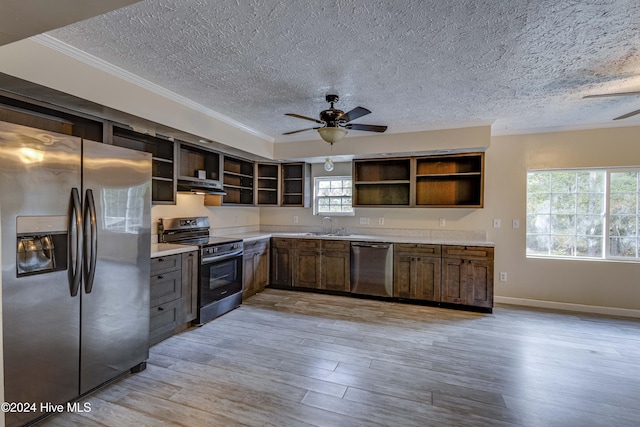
x: 623, y: 203
x: 563, y: 182
x: 539, y: 203
x: 623, y: 247
x: 332, y: 195
x: 563, y: 245
x: 538, y: 245
x: 539, y: 224
x: 589, y: 247
x: 563, y: 203
x: 588, y: 225
x: 591, y: 181
x: 538, y: 182
x: 563, y: 224
x: 620, y: 225
x: 591, y: 203
x: 624, y: 181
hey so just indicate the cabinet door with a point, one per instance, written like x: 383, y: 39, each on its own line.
x: 454, y: 281
x: 189, y: 286
x: 281, y: 266
x: 416, y: 277
x: 307, y: 271
x: 261, y: 270
x: 336, y: 272
x: 248, y: 274
x: 480, y: 283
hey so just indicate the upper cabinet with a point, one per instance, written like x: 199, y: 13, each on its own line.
x: 447, y: 181
x: 238, y: 181
x: 198, y: 164
x: 267, y: 181
x: 382, y: 182
x: 296, y: 184
x: 163, y: 184
x: 450, y: 181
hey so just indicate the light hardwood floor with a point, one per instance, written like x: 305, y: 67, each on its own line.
x: 299, y: 359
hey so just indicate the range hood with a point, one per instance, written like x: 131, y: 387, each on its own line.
x: 200, y: 186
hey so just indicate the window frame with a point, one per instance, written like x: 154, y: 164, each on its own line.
x: 316, y: 198
x: 606, y: 232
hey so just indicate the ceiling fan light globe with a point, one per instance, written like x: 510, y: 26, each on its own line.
x: 332, y: 134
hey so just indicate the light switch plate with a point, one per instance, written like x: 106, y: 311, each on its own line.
x: 516, y: 223
x: 497, y: 223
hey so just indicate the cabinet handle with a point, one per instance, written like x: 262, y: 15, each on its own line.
x: 160, y: 308
x: 160, y: 259
x: 160, y: 277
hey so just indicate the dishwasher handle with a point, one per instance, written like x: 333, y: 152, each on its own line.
x: 372, y: 245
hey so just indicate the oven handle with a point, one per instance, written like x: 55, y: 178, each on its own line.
x: 217, y: 258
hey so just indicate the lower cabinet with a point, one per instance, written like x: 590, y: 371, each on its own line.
x: 416, y: 271
x: 336, y: 265
x: 322, y: 264
x: 173, y: 294
x: 467, y: 275
x: 255, y: 276
x: 281, y: 261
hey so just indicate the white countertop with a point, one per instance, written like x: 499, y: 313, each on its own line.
x: 359, y: 237
x: 166, y: 249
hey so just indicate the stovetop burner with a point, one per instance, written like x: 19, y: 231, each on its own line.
x: 190, y: 231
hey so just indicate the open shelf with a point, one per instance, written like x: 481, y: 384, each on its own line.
x: 296, y: 184
x: 267, y: 175
x: 238, y: 181
x: 382, y: 182
x: 450, y: 181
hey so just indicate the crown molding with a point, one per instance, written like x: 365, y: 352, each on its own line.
x: 95, y: 62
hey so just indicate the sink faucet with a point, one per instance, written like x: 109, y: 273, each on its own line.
x: 324, y: 228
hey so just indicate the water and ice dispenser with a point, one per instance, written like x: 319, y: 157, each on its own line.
x: 41, y: 244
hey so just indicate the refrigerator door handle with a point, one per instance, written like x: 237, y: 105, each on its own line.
x: 90, y: 243
x: 75, y: 211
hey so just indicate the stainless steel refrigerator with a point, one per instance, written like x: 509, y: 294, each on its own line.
x: 75, y: 228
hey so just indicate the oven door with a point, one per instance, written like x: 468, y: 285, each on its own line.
x: 220, y: 277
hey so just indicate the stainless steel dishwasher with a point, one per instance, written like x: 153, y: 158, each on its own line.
x: 372, y: 268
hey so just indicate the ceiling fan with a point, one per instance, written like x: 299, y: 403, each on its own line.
x: 624, y: 116
x: 335, y: 122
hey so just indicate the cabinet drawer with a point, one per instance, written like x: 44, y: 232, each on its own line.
x: 256, y: 246
x: 166, y: 287
x: 163, y: 321
x: 165, y: 263
x: 280, y: 242
x: 467, y: 252
x: 416, y: 249
x: 308, y: 244
x: 336, y: 245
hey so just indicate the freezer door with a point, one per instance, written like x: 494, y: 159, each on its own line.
x: 115, y: 294
x: 40, y: 318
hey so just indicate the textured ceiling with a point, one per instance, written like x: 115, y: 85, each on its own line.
x: 523, y: 65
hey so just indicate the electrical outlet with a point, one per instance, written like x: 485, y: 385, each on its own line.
x: 442, y: 222
x: 515, y: 223
x: 295, y: 219
x: 503, y: 276
x: 380, y: 221
x: 497, y: 223
x: 364, y: 221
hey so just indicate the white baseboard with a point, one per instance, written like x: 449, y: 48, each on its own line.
x: 611, y: 311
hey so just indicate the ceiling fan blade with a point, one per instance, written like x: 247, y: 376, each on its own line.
x: 370, y: 128
x: 354, y: 114
x: 300, y: 130
x: 631, y: 114
x: 602, y: 95
x: 303, y: 117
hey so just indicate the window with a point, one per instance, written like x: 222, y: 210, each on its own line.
x: 591, y: 213
x: 332, y: 196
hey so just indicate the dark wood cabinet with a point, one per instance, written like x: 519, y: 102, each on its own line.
x: 296, y: 184
x: 281, y: 261
x: 467, y: 275
x: 335, y: 265
x: 454, y: 180
x: 238, y: 181
x: 256, y: 267
x: 416, y: 271
x: 267, y: 184
x: 307, y: 262
x: 322, y: 264
x: 382, y: 182
x: 173, y: 294
x: 189, y: 286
